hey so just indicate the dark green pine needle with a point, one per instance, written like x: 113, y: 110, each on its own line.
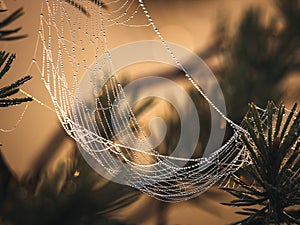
x: 7, y: 92
x: 273, y: 183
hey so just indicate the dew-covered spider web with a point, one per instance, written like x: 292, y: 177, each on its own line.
x: 99, y: 117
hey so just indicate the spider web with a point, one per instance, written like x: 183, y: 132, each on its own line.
x: 104, y: 125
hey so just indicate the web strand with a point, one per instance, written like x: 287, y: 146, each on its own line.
x: 99, y: 117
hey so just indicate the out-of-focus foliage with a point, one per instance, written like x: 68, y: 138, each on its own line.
x: 82, y: 7
x: 261, y: 53
x: 10, y: 34
x: 74, y: 194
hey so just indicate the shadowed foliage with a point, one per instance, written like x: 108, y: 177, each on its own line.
x: 73, y: 194
x: 260, y: 54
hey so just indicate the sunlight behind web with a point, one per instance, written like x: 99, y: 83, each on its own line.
x: 92, y: 106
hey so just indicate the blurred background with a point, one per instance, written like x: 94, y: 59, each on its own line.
x: 252, y: 46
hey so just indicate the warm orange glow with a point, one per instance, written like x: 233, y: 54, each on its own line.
x: 76, y: 173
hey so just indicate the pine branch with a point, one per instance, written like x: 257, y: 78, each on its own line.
x: 13, y: 101
x: 6, y: 61
x: 273, y: 185
x: 9, y: 59
x: 5, y: 35
x: 14, y: 85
